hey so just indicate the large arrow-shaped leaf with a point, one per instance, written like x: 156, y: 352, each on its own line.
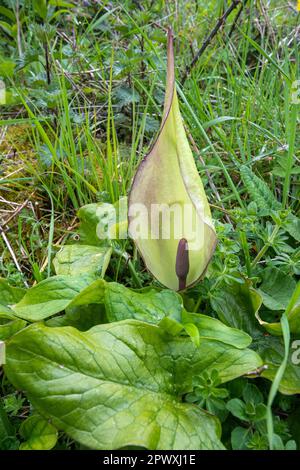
x: 122, y: 383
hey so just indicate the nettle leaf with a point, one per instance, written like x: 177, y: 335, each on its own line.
x: 126, y: 96
x: 121, y: 384
x: 292, y: 312
x: 236, y: 305
x: 38, y: 433
x: 276, y: 288
x: 167, y: 186
x: 259, y: 191
x: 74, y: 260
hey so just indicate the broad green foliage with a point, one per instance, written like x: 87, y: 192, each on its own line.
x: 39, y: 434
x: 50, y: 296
x: 276, y: 288
x: 271, y: 350
x: 9, y: 295
x: 168, y: 176
x: 74, y: 260
x: 6, y: 429
x: 236, y: 305
x: 9, y: 325
x: 100, y: 355
x: 292, y: 312
x: 102, y: 221
x: 149, y: 305
x: 259, y: 191
x: 153, y: 307
x: 81, y: 381
x: 211, y: 328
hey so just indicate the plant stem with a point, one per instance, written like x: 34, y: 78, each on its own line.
x: 290, y: 154
x: 246, y: 252
x: 131, y: 267
x: 47, y: 63
x: 264, y: 249
x: 277, y: 379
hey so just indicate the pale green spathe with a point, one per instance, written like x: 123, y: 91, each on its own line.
x: 168, y: 176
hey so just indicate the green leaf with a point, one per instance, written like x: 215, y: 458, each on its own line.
x: 91, y: 294
x: 8, y: 13
x: 61, y: 4
x: 169, y: 215
x: 38, y: 433
x: 121, y: 384
x: 50, y: 296
x: 83, y: 317
x: 237, y: 409
x: 9, y: 325
x: 11, y: 31
x: 292, y: 226
x: 259, y: 191
x: 6, y: 429
x: 125, y: 96
x: 271, y: 350
x: 147, y: 305
x: 294, y: 425
x: 193, y: 333
x: 2, y: 353
x: 240, y: 438
x: 154, y: 306
x: 40, y: 8
x: 211, y: 328
x: 276, y: 288
x: 74, y: 260
x: 290, y: 445
x: 10, y: 295
x: 102, y: 221
x: 292, y: 313
x: 252, y: 394
x: 260, y: 412
x: 236, y: 305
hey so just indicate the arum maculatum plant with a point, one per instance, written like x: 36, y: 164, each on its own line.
x: 169, y: 215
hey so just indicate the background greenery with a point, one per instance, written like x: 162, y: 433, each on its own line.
x: 85, y: 86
